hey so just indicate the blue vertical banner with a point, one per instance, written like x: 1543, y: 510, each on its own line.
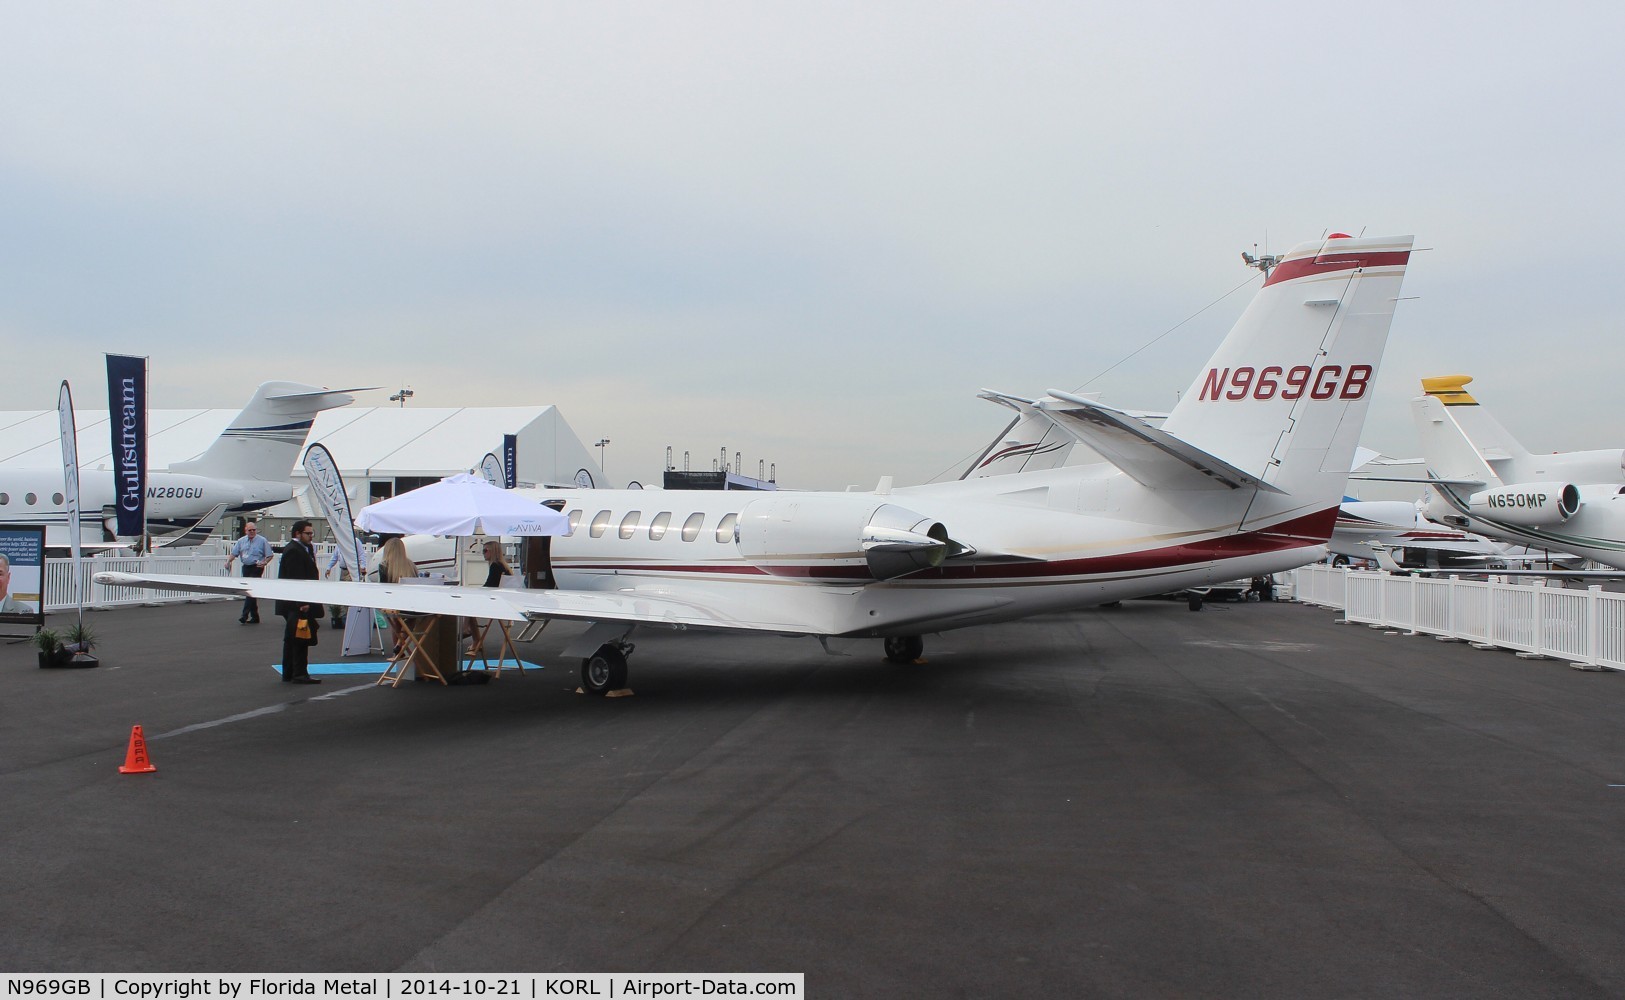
x: 510, y: 461
x: 127, y: 418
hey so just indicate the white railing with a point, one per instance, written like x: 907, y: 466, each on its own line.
x: 204, y: 560
x: 1585, y: 626
x: 59, y: 579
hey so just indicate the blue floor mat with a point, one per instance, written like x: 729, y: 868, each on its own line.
x: 376, y: 667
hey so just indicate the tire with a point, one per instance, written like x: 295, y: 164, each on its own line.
x: 604, y: 671
x: 1193, y: 601
x: 904, y: 648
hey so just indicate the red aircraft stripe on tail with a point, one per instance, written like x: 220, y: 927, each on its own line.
x: 1328, y: 263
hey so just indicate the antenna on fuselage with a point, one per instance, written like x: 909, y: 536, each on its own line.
x: 1264, y: 262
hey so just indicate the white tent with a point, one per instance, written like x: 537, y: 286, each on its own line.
x: 461, y: 505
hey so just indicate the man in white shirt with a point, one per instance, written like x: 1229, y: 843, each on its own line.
x: 255, y: 552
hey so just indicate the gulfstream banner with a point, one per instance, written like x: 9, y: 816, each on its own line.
x: 127, y: 416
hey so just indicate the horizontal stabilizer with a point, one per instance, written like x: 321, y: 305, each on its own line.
x: 1147, y: 454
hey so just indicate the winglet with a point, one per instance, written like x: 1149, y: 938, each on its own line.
x: 1451, y: 390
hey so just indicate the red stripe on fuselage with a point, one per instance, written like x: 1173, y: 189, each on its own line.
x: 1328, y: 263
x: 1311, y: 529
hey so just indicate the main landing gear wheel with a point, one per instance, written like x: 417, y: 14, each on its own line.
x: 1193, y: 600
x: 904, y: 648
x: 604, y: 671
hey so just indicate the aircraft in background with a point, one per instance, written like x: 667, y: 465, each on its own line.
x: 1243, y: 479
x: 1399, y: 529
x: 1485, y: 481
x: 245, y: 470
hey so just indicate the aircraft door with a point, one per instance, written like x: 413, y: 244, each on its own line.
x: 536, y: 557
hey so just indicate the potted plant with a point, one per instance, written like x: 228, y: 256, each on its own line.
x: 81, y: 638
x: 49, y: 643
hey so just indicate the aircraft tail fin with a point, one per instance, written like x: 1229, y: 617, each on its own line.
x: 1460, y: 438
x: 1285, y: 396
x: 263, y: 441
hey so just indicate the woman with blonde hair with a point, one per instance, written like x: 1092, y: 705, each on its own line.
x: 394, y: 564
x: 499, y: 565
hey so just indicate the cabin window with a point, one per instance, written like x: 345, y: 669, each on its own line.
x: 691, y: 527
x: 657, y: 527
x: 30, y: 499
x: 725, y: 528
x: 575, y: 521
x: 5, y: 498
x: 56, y: 498
x: 600, y: 521
x: 629, y: 523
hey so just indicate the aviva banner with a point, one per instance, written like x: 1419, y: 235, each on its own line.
x: 127, y: 418
x: 327, y: 485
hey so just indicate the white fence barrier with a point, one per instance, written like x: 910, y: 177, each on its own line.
x: 1585, y: 626
x: 204, y: 560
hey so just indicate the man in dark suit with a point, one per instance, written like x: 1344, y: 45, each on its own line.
x: 298, y: 563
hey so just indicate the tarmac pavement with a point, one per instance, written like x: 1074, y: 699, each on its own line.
x: 1250, y: 801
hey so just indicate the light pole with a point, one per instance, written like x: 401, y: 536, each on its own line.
x: 402, y: 396
x: 600, y: 446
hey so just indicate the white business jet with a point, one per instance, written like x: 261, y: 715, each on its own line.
x: 1243, y: 479
x: 245, y: 469
x: 1485, y: 481
x: 1399, y: 528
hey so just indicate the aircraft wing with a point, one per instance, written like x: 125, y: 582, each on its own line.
x: 197, y: 533
x: 1145, y: 453
x: 471, y: 602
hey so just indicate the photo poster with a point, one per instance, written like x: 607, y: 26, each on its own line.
x: 23, y: 603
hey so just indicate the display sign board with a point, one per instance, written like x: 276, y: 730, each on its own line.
x: 22, y: 574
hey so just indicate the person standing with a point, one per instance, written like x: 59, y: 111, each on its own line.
x: 255, y: 552
x: 298, y: 563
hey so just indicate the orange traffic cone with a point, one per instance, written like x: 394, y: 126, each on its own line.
x: 135, y: 758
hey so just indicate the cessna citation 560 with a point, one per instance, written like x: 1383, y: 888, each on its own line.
x: 1485, y: 481
x: 244, y: 470
x: 1244, y: 478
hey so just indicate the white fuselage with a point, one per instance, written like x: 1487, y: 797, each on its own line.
x: 1043, y: 541
x: 1595, y: 532
x: 173, y: 500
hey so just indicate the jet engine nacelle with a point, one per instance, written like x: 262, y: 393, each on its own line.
x: 858, y: 537
x: 1532, y: 504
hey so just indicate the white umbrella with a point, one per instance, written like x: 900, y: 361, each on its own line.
x: 461, y: 505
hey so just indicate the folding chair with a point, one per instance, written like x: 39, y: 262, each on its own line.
x: 413, y: 630
x: 477, y: 650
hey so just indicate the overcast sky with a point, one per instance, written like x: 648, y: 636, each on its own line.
x: 806, y: 232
